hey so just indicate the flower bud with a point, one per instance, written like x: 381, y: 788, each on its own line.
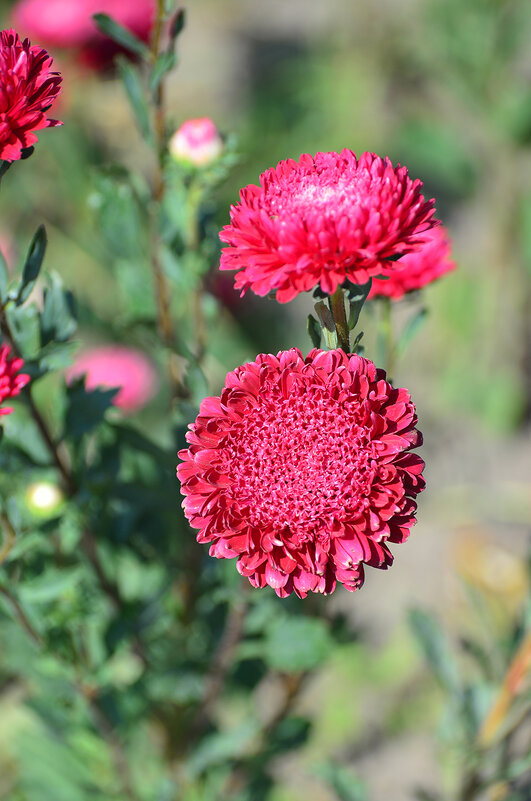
x: 196, y: 142
x: 44, y: 498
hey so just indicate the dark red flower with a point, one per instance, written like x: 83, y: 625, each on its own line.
x: 302, y: 470
x: 322, y: 220
x: 27, y: 90
x: 10, y: 382
x: 415, y: 270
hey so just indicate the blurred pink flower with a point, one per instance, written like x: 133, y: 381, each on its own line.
x: 11, y: 381
x: 27, y: 89
x: 302, y: 470
x: 196, y: 142
x: 116, y: 366
x: 69, y: 24
x: 415, y: 270
x: 322, y: 220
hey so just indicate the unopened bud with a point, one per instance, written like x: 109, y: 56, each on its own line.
x: 196, y: 142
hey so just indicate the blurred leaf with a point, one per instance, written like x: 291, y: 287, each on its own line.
x: 56, y: 355
x: 218, y: 748
x: 132, y: 81
x: 436, y: 649
x: 32, y: 265
x: 343, y: 781
x: 85, y: 410
x: 413, y: 326
x: 24, y: 325
x: 165, y: 63
x: 297, y: 643
x: 50, y: 586
x: 120, y: 35
x: 4, y: 277
x: 58, y: 320
x: 314, y: 330
x: 177, y: 24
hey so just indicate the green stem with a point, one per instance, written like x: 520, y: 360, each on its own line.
x: 387, y: 337
x: 337, y: 303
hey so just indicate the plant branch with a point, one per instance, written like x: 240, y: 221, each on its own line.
x: 22, y: 617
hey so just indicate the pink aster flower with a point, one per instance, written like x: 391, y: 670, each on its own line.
x: 196, y: 142
x: 115, y: 366
x: 417, y: 269
x: 68, y: 24
x: 323, y: 220
x: 27, y: 90
x: 302, y: 470
x: 11, y: 381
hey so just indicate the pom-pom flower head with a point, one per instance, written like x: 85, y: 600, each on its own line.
x: 27, y: 90
x: 69, y: 24
x: 115, y: 366
x: 323, y: 220
x: 11, y: 381
x: 302, y: 470
x: 416, y: 270
x: 196, y: 142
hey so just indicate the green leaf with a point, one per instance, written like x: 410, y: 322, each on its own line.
x: 4, y: 277
x: 132, y: 82
x: 314, y: 330
x: 343, y: 781
x: 177, y: 24
x: 414, y: 325
x: 297, y: 643
x: 165, y: 63
x: 85, y: 410
x: 58, y: 321
x: 218, y: 748
x: 24, y: 325
x: 32, y: 265
x: 120, y: 35
x: 50, y: 586
x: 357, y: 295
x: 436, y: 649
x: 325, y: 316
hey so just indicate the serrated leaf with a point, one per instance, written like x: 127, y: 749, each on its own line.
x: 32, y: 265
x: 297, y: 643
x: 314, y: 330
x: 436, y: 649
x: 58, y: 321
x: 132, y: 82
x: 121, y: 35
x: 85, y: 410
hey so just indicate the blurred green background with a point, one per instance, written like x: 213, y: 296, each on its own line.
x: 442, y: 86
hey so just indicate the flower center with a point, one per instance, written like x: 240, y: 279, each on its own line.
x: 302, y: 463
x: 332, y: 193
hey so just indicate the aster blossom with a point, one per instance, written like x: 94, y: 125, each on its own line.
x: 11, y: 381
x: 323, y: 220
x: 416, y: 270
x: 28, y: 87
x: 302, y: 469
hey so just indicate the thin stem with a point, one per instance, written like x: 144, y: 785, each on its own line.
x: 387, y: 337
x: 9, y: 536
x: 22, y: 617
x: 337, y: 302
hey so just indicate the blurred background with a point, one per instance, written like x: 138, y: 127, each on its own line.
x: 443, y: 86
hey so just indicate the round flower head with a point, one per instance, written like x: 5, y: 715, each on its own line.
x: 415, y: 270
x: 322, y: 220
x: 196, y: 142
x: 302, y: 470
x: 11, y: 381
x: 69, y: 24
x: 27, y: 90
x: 115, y: 366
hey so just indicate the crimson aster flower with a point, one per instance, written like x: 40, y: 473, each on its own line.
x: 68, y: 24
x: 116, y: 366
x: 27, y: 90
x: 302, y: 470
x: 11, y: 381
x: 323, y: 220
x: 417, y: 269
